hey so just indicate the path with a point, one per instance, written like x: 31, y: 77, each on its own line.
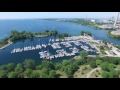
x: 90, y: 73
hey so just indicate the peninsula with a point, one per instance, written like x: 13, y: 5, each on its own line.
x: 16, y: 36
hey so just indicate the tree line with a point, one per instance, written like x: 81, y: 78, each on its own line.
x: 47, y: 69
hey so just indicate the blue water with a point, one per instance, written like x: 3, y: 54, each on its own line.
x: 36, y: 25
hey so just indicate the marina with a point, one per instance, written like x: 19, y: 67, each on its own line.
x: 64, y: 48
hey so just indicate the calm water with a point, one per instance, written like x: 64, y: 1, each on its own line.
x: 39, y: 25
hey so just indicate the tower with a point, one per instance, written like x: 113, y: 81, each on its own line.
x: 116, y: 19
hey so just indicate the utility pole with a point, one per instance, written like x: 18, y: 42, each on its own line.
x: 116, y: 19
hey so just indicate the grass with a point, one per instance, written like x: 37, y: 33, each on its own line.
x: 82, y: 71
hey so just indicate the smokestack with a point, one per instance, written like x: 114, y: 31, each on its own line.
x: 116, y: 19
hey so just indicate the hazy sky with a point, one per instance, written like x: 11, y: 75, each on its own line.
x: 19, y: 15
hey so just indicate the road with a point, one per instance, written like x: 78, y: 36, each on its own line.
x: 90, y: 73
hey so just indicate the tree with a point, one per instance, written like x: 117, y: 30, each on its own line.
x: 3, y: 74
x: 53, y: 32
x: 47, y: 31
x: 34, y: 75
x: 82, y: 33
x: 58, y: 66
x: 60, y: 36
x: 52, y: 74
x: 45, y: 73
x: 105, y: 74
x: 65, y: 62
x: 118, y: 61
x: 39, y: 67
x: 111, y: 66
x: 88, y: 33
x: 83, y: 54
x: 93, y: 64
x: 19, y: 68
x: 104, y: 66
x: 47, y: 64
x: 12, y: 74
x: 118, y: 71
x: 10, y: 67
x: 27, y: 73
x: 113, y: 74
x: 78, y: 62
x: 69, y: 70
x: 28, y: 63
x: 104, y: 42
x: 65, y: 35
x: 98, y: 62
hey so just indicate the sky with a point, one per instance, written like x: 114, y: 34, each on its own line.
x: 27, y: 15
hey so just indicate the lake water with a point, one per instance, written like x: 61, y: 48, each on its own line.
x: 36, y: 25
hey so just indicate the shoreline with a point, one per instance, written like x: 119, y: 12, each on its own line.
x: 6, y: 45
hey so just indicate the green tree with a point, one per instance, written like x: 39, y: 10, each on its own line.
x: 104, y: 66
x: 53, y: 32
x: 82, y: 33
x: 3, y: 74
x: 105, y: 74
x: 78, y: 62
x: 39, y: 67
x: 83, y: 54
x: 98, y: 62
x: 65, y: 35
x: 113, y: 74
x: 10, y: 67
x: 47, y: 64
x: 58, y: 66
x: 93, y: 64
x: 69, y: 70
x: 65, y: 62
x: 34, y: 75
x: 27, y: 72
x: 19, y: 68
x: 45, y: 73
x: 12, y: 75
x: 52, y: 74
x: 28, y: 63
x: 104, y: 42
x: 88, y: 33
x: 60, y: 36
x: 111, y: 66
